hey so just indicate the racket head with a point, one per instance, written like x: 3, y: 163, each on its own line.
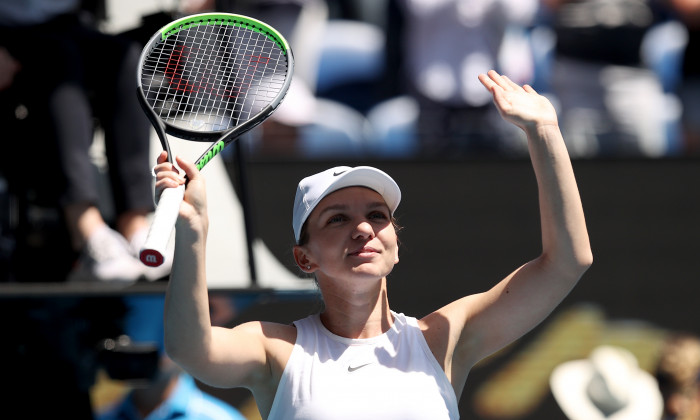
x: 213, y: 75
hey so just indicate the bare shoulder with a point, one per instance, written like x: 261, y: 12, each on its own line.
x: 278, y: 342
x: 278, y: 334
x: 269, y: 330
x: 271, y: 334
x: 277, y: 339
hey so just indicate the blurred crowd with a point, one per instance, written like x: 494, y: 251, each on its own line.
x: 398, y: 78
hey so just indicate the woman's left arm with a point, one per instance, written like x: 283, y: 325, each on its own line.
x: 483, y: 323
x: 566, y: 249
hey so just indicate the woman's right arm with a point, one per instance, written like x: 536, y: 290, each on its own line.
x: 221, y: 357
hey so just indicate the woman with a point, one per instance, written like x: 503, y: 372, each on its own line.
x: 359, y: 359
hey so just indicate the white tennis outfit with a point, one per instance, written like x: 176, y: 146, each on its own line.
x: 391, y: 377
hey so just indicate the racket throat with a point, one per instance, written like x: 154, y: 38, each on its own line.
x: 209, y: 154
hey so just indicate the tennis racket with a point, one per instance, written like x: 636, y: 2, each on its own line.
x: 208, y: 77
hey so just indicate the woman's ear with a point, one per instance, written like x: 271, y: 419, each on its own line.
x: 302, y: 259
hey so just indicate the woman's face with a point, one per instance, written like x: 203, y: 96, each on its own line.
x: 351, y: 235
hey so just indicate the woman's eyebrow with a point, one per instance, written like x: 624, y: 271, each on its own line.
x: 332, y: 208
x: 377, y: 204
x: 343, y: 207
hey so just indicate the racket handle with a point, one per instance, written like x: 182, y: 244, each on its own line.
x: 153, y: 252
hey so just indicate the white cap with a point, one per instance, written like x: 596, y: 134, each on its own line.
x: 312, y: 189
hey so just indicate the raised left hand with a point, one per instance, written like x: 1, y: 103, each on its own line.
x: 521, y: 105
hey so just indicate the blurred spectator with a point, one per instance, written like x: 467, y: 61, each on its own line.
x: 54, y: 61
x: 455, y: 115
x: 678, y: 375
x: 610, y: 102
x: 169, y: 393
x: 688, y: 12
x: 608, y: 385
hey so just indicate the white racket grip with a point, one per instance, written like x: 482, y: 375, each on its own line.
x: 153, y: 252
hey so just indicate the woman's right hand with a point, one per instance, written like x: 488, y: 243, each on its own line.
x: 194, y: 205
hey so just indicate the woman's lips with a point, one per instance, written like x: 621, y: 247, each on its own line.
x: 364, y: 251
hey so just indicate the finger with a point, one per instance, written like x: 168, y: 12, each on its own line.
x: 168, y: 182
x: 489, y: 83
x: 173, y: 174
x: 509, y: 83
x: 162, y: 157
x: 529, y: 89
x: 163, y: 165
x: 499, y: 80
x: 486, y: 81
x: 500, y: 98
x: 190, y: 169
x: 166, y: 169
x: 167, y: 179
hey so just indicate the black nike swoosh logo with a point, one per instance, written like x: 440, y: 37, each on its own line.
x: 354, y: 368
x: 338, y: 173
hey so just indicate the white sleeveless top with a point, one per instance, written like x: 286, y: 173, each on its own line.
x: 391, y: 376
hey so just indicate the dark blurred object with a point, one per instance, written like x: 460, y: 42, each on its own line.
x: 48, y: 354
x: 123, y: 359
x: 149, y: 25
x: 30, y: 216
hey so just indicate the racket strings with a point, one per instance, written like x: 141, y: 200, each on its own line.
x: 213, y: 77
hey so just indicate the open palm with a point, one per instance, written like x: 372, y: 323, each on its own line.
x: 521, y: 105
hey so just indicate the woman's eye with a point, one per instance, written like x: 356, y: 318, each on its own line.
x: 336, y: 218
x: 378, y: 215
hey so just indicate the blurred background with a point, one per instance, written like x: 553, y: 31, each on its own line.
x: 392, y: 84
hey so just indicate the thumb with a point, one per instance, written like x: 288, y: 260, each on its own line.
x: 190, y: 169
x: 195, y: 193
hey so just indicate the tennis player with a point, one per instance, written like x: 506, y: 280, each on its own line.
x: 358, y: 359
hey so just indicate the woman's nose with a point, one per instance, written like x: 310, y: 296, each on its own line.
x: 363, y: 230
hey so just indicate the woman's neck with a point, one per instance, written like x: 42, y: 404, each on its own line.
x: 355, y: 312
